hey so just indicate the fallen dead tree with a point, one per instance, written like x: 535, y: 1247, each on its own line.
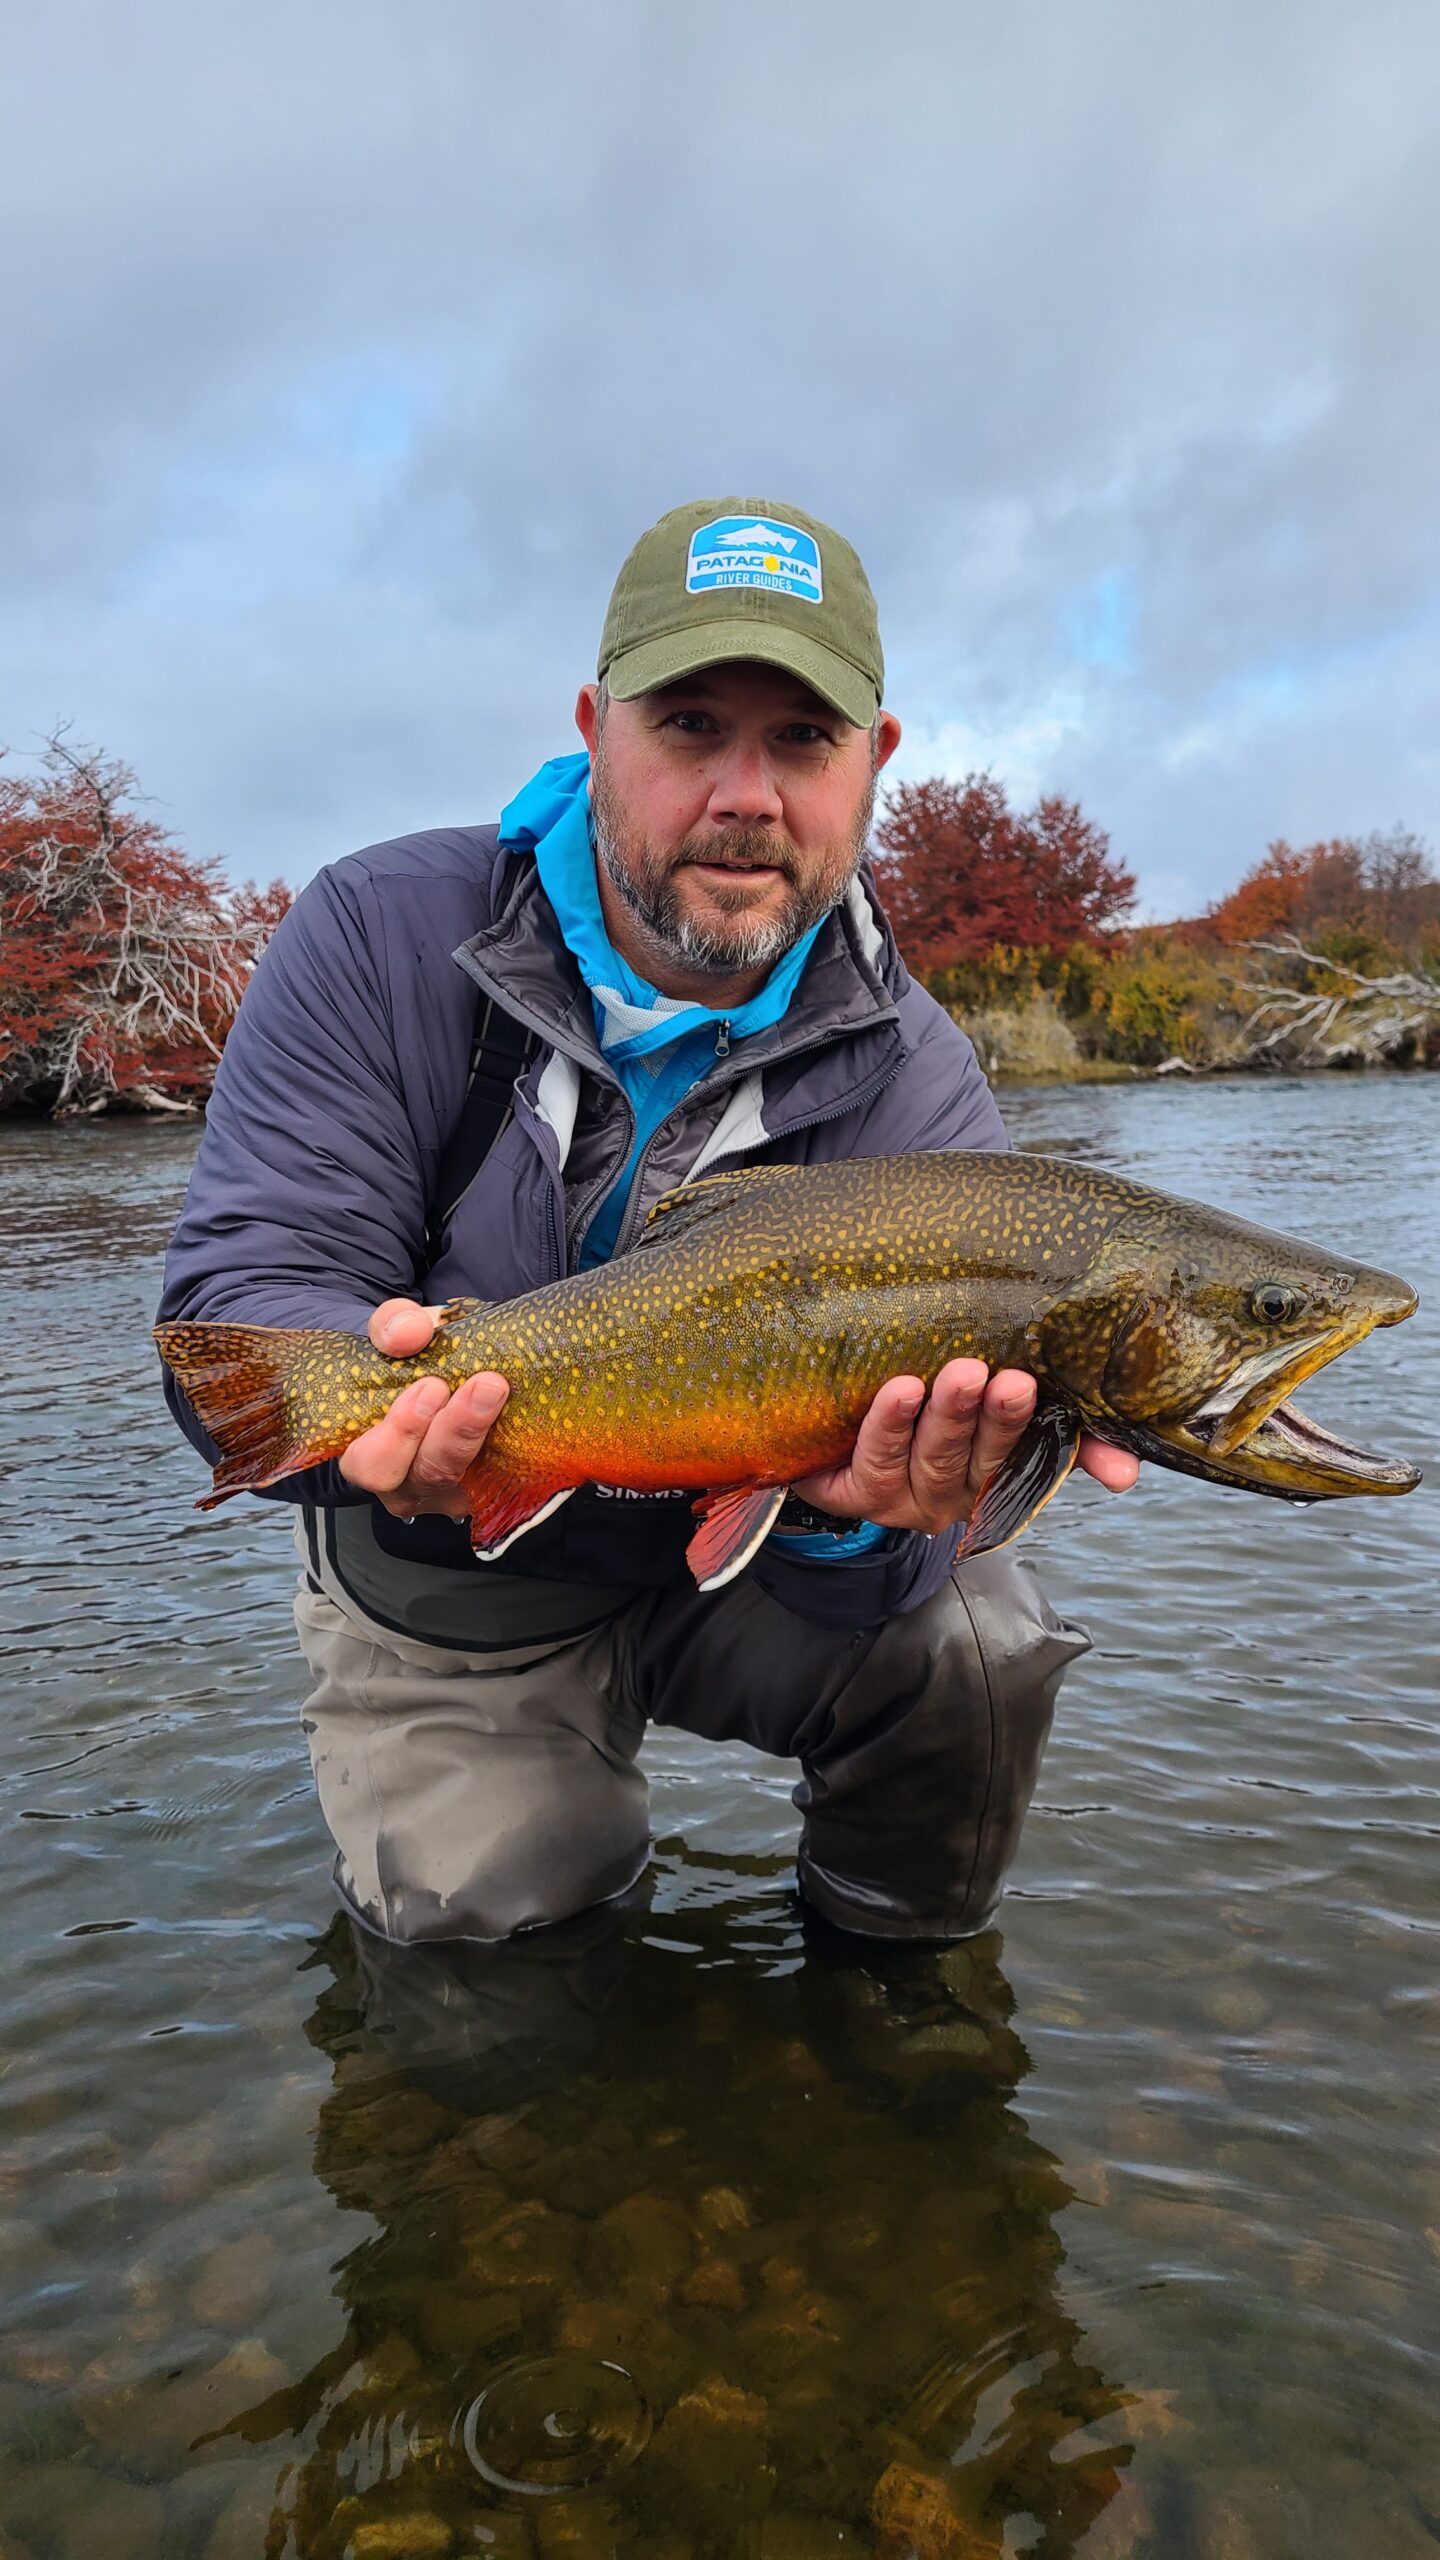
x: 1336, y: 1015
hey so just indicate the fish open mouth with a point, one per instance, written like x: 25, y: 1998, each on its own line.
x: 1250, y: 1432
x: 1288, y: 1437
x: 1253, y: 1391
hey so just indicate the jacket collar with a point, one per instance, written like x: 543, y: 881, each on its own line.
x: 849, y: 988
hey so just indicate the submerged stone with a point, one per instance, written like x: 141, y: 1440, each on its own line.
x: 914, y: 2519
x: 710, y: 2459
x: 528, y: 2248
x: 238, y: 2531
x: 725, y: 2209
x: 1122, y: 2528
x: 635, y: 2336
x: 715, y: 2284
x: 234, y: 2286
x: 76, y: 2513
x: 577, y: 2530
x: 417, y: 2536
x: 645, y: 2244
x: 387, y: 2366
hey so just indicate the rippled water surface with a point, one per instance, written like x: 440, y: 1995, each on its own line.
x: 683, y: 2233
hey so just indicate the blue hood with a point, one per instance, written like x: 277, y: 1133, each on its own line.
x: 552, y: 814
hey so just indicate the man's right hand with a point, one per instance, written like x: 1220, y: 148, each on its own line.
x: 414, y: 1460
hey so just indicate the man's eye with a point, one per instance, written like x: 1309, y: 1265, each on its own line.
x: 691, y: 724
x: 805, y: 733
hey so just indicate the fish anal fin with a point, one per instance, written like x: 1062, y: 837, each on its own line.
x: 1022, y: 1484
x: 504, y: 1507
x: 732, y: 1525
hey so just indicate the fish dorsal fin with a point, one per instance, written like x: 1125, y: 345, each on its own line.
x: 456, y: 1310
x: 675, y: 1212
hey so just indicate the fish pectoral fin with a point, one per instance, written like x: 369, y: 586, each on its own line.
x: 1022, y: 1484
x: 732, y: 1525
x: 504, y: 1507
x: 675, y: 1212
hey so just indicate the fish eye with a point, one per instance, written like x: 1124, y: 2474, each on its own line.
x: 1272, y: 1302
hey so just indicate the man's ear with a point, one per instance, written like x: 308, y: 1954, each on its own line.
x: 586, y: 717
x: 887, y: 738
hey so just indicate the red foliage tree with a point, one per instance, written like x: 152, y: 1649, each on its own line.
x: 122, y: 958
x: 1380, y: 884
x: 961, y: 872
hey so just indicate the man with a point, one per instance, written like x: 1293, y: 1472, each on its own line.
x: 680, y: 963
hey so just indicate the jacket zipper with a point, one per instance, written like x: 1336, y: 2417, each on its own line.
x: 589, y: 1057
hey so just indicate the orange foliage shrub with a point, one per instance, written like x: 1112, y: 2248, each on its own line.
x: 1379, y: 887
x: 122, y: 958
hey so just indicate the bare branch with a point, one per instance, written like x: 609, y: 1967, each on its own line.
x: 1404, y: 983
x: 1366, y: 1021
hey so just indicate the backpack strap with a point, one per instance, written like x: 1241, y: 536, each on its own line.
x: 499, y: 1055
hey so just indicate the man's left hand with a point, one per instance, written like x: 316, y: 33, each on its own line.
x: 920, y: 1461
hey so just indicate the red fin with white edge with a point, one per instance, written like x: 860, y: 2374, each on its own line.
x: 732, y: 1526
x: 503, y: 1507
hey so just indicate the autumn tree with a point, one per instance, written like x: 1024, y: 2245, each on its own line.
x: 1380, y: 887
x: 122, y: 958
x: 962, y: 873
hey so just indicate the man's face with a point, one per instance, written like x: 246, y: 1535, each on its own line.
x: 731, y: 810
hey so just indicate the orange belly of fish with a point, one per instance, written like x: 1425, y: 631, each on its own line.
x: 652, y: 1453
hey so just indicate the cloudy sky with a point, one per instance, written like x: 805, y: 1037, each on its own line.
x: 352, y: 341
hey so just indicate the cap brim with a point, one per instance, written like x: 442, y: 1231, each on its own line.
x: 717, y: 644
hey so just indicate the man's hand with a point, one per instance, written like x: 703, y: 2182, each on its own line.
x: 413, y: 1461
x: 920, y: 1462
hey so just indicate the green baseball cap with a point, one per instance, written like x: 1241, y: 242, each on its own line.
x: 728, y: 578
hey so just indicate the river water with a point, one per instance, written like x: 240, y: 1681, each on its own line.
x: 685, y: 2233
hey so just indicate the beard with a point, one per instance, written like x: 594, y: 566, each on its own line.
x: 645, y: 880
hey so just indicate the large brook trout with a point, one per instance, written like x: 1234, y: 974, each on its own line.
x: 739, y: 1345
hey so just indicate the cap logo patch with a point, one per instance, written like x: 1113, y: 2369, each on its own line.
x: 754, y: 551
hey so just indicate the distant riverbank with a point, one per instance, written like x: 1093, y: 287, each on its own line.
x: 1030, y: 1045
x: 1040, y: 1041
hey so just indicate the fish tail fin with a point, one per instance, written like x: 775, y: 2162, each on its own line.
x: 259, y: 1390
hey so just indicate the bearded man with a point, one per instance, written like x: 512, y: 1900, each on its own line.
x: 472, y: 1060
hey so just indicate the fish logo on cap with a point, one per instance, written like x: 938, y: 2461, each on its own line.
x: 744, y: 551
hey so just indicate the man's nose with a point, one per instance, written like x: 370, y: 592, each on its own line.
x: 743, y: 790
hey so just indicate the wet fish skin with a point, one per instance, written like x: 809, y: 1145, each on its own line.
x: 742, y: 1343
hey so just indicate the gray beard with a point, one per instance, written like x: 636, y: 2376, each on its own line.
x: 723, y: 947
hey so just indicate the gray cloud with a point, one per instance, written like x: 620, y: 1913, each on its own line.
x: 352, y: 345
